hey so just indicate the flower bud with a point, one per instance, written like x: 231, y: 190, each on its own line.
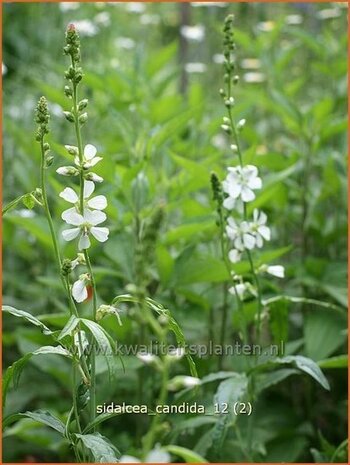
x: 182, y: 382
x: 83, y: 118
x: 234, y: 148
x: 67, y: 171
x: 48, y: 161
x: 46, y: 146
x: 83, y: 104
x: 68, y: 92
x: 72, y: 149
x: 93, y: 177
x: 66, y: 268
x: 216, y: 187
x: 104, y: 310
x: 235, y: 79
x: 226, y: 128
x: 241, y: 124
x: 69, y: 116
x: 229, y: 102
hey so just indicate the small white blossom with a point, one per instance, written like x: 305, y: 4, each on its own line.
x: 84, y: 226
x: 147, y: 358
x: 89, y: 157
x: 195, y: 67
x: 240, y: 182
x: 276, y: 270
x: 195, y: 33
x: 96, y: 203
x: 240, y: 289
x: 241, y: 235
x: 234, y: 255
x: 259, y: 228
x: 79, y: 289
x: 241, y: 124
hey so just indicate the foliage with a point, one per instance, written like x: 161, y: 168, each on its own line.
x: 155, y: 116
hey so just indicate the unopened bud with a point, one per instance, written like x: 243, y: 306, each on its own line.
x: 83, y: 104
x: 68, y: 91
x: 72, y: 150
x: 83, y: 118
x: 241, y: 124
x: 69, y: 116
x: 67, y: 171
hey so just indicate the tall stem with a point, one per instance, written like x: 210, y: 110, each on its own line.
x: 86, y: 255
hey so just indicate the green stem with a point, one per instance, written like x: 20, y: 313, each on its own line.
x: 87, y: 258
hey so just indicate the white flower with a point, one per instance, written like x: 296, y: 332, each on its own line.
x: 79, y: 289
x: 276, y: 270
x: 89, y: 157
x: 96, y: 203
x: 240, y: 182
x: 147, y: 358
x: 195, y: 33
x: 240, y: 289
x: 240, y: 235
x: 234, y: 255
x: 176, y: 354
x: 182, y: 382
x: 195, y: 67
x: 85, y: 225
x: 259, y: 228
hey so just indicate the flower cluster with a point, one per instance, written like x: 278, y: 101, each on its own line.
x: 241, y: 183
x: 85, y: 214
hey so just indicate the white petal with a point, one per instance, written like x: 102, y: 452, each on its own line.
x: 95, y: 177
x: 94, y: 217
x: 84, y: 242
x: 234, y: 256
x: 262, y: 218
x: 79, y: 291
x: 255, y: 183
x: 259, y: 241
x: 247, y: 194
x: 89, y: 151
x: 101, y: 234
x: 250, y: 171
x: 276, y: 270
x: 238, y: 243
x: 66, y: 215
x: 229, y: 203
x: 249, y: 241
x: 72, y: 217
x: 265, y: 232
x: 69, y: 195
x: 70, y: 234
x: 94, y: 161
x: 255, y: 215
x: 98, y: 203
x: 89, y: 188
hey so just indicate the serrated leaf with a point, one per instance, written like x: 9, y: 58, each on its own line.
x: 101, y: 449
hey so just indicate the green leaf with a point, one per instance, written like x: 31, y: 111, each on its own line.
x: 340, y: 361
x: 278, y: 312
x: 300, y: 362
x: 98, y: 420
x: 28, y: 201
x: 188, y: 455
x: 69, y: 327
x: 103, y: 342
x: 14, y: 371
x: 229, y: 391
x: 102, y: 450
x: 41, y: 416
x: 266, y: 380
x: 323, y: 332
x: 27, y: 316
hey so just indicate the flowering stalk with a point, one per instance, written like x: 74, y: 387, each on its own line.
x: 239, y: 187
x: 86, y: 213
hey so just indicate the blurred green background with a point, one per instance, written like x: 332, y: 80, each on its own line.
x: 152, y: 76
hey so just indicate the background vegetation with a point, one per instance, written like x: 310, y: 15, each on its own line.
x: 155, y: 109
